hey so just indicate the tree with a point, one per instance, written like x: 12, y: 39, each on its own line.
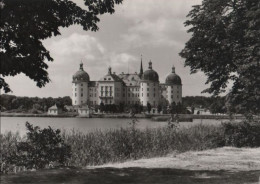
x: 42, y: 147
x: 102, y: 107
x: 173, y: 108
x: 149, y: 107
x: 24, y: 24
x: 225, y: 45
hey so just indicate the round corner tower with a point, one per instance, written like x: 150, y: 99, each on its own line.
x: 80, y: 82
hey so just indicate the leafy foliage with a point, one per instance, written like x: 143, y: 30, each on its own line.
x: 242, y: 134
x: 24, y: 24
x: 225, y: 45
x: 41, y: 148
x: 11, y: 102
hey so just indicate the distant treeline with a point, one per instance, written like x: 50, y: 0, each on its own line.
x: 31, y: 104
x: 213, y: 104
x: 26, y: 104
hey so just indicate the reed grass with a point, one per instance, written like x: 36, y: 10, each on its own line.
x: 100, y: 147
x: 118, y: 145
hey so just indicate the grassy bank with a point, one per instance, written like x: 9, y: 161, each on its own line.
x: 100, y: 147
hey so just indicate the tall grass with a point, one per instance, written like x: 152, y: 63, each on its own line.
x: 118, y: 145
x: 100, y: 147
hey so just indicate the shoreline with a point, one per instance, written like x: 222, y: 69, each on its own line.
x: 225, y: 158
x: 153, y: 117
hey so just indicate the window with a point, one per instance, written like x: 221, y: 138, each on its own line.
x: 148, y: 94
x: 153, y: 89
x: 133, y: 95
x: 142, y: 94
x: 81, y: 102
x: 138, y: 94
x: 81, y: 84
x: 154, y: 95
x: 75, y: 89
x: 81, y: 89
x: 81, y: 94
x: 75, y: 94
x: 147, y: 84
x: 128, y: 94
x: 147, y: 89
x: 75, y: 101
x: 101, y: 88
x: 109, y: 78
x: 105, y: 79
x: 172, y: 96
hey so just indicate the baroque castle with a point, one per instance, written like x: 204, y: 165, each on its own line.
x: 142, y: 88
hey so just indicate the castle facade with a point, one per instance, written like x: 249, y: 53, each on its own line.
x: 138, y: 88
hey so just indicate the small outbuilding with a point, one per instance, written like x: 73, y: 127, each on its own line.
x: 85, y: 111
x: 54, y: 110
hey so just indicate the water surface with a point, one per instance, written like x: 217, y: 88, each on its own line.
x: 17, y: 124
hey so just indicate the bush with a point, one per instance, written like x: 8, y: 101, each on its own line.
x: 41, y: 148
x: 8, y: 147
x: 244, y: 134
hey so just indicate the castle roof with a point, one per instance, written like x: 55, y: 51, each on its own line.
x: 130, y: 79
x: 150, y: 74
x: 81, y: 75
x: 173, y: 78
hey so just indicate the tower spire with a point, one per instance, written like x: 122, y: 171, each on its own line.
x: 81, y: 65
x: 150, y: 65
x: 141, y: 67
x: 109, y: 70
x: 173, y: 69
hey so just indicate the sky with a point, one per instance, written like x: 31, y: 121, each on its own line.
x: 151, y: 28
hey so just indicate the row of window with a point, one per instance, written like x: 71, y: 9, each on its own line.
x: 80, y: 94
x: 106, y: 88
x: 152, y: 84
x: 172, y: 96
x: 146, y: 104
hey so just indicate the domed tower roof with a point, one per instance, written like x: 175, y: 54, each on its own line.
x: 173, y: 78
x: 150, y: 74
x: 81, y: 75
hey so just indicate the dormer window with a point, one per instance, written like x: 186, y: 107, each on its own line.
x: 105, y: 79
x: 109, y: 78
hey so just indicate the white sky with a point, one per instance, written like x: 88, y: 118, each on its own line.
x: 153, y: 28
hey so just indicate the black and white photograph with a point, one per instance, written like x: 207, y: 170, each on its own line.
x: 130, y: 91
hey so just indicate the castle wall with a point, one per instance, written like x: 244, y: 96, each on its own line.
x: 149, y: 93
x: 79, y: 93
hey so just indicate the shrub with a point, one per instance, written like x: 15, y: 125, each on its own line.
x: 243, y: 134
x: 8, y: 147
x: 41, y: 148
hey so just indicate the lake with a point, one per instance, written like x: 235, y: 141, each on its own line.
x: 17, y: 124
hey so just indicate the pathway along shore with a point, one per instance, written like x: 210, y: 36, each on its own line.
x: 226, y: 158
